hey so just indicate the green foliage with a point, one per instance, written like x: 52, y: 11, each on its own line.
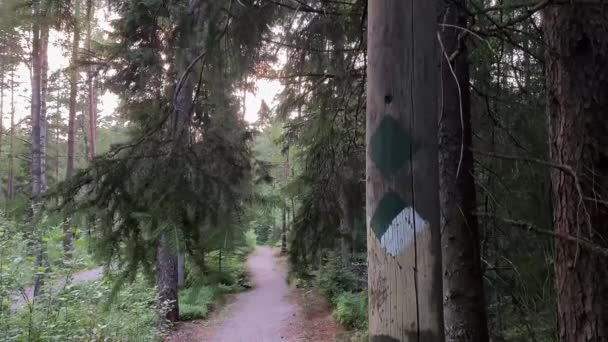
x: 351, y: 310
x: 80, y: 312
x: 333, y: 278
x: 205, y: 290
x: 197, y: 302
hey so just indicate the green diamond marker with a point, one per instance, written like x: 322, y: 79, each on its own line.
x: 390, y: 146
x: 390, y: 206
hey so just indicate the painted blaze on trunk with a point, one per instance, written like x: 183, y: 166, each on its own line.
x: 404, y: 256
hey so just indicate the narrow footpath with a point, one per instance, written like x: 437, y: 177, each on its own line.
x: 265, y: 313
x: 270, y: 312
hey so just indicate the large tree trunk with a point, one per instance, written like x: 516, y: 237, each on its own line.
x: 403, y: 239
x: 167, y: 278
x: 67, y: 227
x: 576, y: 37
x: 463, y: 295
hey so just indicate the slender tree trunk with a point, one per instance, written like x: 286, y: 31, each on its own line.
x: 404, y: 246
x: 11, y: 152
x: 67, y: 227
x: 91, y: 85
x: 347, y: 223
x: 35, y: 103
x: 44, y: 82
x: 1, y: 109
x: 463, y: 295
x: 576, y: 39
x: 283, y: 229
x: 167, y: 279
x: 37, y: 244
x: 57, y: 132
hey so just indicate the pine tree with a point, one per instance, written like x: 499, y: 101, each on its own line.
x: 463, y: 294
x: 576, y: 39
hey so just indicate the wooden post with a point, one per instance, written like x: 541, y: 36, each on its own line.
x: 404, y: 251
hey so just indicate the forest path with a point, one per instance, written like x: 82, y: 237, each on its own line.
x: 271, y: 311
x: 27, y: 294
x: 264, y: 313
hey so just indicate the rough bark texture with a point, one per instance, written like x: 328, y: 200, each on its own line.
x: 576, y: 37
x: 167, y: 278
x: 404, y: 246
x: 463, y: 295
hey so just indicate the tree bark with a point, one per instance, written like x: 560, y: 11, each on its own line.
x: 1, y: 108
x: 10, y: 186
x: 347, y: 223
x: 284, y: 229
x: 91, y: 85
x: 576, y: 39
x: 167, y: 279
x: 35, y: 103
x: 37, y: 244
x: 404, y: 246
x: 463, y: 294
x: 44, y: 82
x: 67, y: 226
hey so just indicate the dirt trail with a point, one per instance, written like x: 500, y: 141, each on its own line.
x: 264, y: 314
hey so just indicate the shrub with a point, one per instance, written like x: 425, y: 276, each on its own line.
x: 82, y: 312
x: 196, y: 302
x: 333, y: 278
x: 351, y: 310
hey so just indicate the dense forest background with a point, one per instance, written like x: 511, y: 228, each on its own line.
x: 166, y: 194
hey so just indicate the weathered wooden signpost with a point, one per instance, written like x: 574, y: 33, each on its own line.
x: 404, y: 251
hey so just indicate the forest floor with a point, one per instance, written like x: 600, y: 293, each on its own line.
x: 271, y: 311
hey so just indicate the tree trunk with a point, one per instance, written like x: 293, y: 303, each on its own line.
x: 35, y: 103
x: 347, y: 224
x: 36, y: 143
x: 463, y: 295
x: 1, y: 108
x: 576, y: 38
x: 404, y: 246
x: 283, y: 229
x: 167, y: 279
x: 44, y: 82
x: 91, y: 85
x: 10, y: 186
x: 67, y: 226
